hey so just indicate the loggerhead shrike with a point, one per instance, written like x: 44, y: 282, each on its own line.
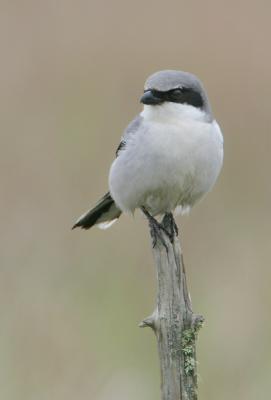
x: 169, y: 156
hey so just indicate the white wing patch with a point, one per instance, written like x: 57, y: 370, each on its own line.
x: 106, y: 224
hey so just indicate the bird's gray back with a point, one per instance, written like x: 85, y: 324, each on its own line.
x: 134, y: 126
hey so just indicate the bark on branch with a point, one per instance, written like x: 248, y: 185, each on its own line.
x: 173, y: 322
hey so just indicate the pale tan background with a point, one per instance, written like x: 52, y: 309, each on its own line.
x: 71, y: 76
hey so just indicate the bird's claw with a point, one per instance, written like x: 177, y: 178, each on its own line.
x: 169, y: 225
x: 156, y: 233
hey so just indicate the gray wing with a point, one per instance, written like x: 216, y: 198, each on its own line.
x: 131, y: 128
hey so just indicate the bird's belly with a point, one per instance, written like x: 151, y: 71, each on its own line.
x: 165, y: 169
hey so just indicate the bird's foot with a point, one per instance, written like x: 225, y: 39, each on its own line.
x: 156, y: 229
x: 170, y: 226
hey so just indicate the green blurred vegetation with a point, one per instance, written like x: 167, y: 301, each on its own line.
x: 71, y: 76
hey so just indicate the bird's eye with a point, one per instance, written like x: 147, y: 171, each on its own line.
x: 176, y: 93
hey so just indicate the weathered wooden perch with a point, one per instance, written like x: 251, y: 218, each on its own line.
x: 173, y: 322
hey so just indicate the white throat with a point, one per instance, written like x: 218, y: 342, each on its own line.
x: 170, y: 111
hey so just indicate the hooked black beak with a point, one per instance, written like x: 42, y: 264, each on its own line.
x: 150, y: 99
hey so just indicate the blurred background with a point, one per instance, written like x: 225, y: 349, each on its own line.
x: 70, y: 301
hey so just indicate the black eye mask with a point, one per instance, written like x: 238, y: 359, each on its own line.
x: 180, y: 95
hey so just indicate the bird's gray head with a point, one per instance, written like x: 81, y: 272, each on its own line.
x: 177, y: 87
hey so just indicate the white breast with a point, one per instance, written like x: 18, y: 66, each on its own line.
x: 172, y: 160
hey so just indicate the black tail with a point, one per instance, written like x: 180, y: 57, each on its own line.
x: 104, y: 212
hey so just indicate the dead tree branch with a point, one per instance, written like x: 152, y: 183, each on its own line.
x: 173, y: 322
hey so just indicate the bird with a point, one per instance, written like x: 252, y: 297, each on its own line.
x: 169, y: 156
